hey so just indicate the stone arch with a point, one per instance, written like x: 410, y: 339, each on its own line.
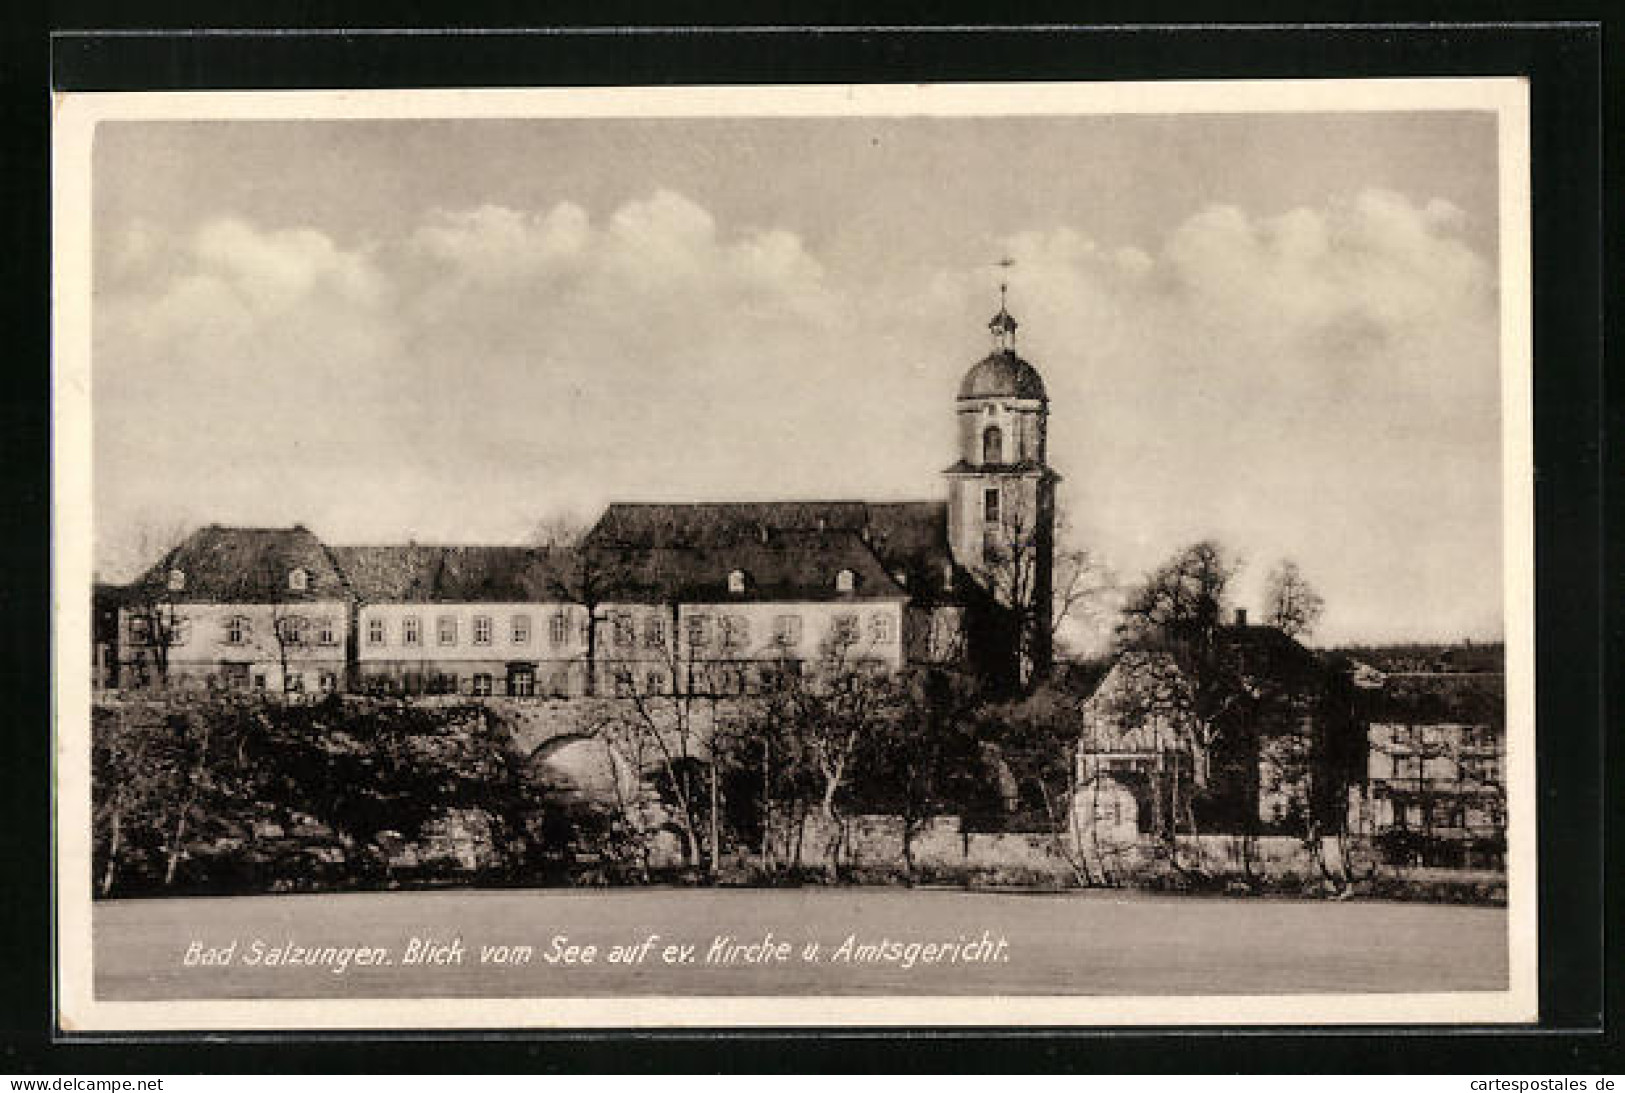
x: 588, y: 765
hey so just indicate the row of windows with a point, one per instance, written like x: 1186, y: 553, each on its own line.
x: 482, y: 627
x: 732, y: 631
x: 236, y: 630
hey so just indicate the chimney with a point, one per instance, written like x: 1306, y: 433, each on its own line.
x: 1241, y: 616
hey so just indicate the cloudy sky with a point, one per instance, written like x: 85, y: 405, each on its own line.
x: 1280, y: 331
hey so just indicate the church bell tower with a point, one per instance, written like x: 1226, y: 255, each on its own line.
x: 1001, y: 492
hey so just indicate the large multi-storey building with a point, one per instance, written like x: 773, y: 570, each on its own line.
x: 656, y: 597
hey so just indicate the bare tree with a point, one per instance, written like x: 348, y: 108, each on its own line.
x: 1182, y: 602
x: 291, y: 631
x: 1040, y: 585
x: 582, y: 573
x: 830, y: 713
x: 669, y: 713
x: 1293, y: 605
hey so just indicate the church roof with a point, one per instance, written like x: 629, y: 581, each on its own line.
x: 907, y: 538
x: 792, y: 565
x: 1002, y: 374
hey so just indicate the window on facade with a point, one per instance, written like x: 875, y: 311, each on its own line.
x: 558, y: 629
x: 328, y: 681
x: 845, y: 629
x: 787, y: 630
x: 328, y: 633
x: 990, y: 506
x: 623, y: 630
x: 295, y: 629
x: 482, y: 684
x: 844, y: 580
x: 521, y: 681
x: 655, y: 683
x: 992, y: 445
x: 180, y: 630
x: 140, y: 630
x: 293, y: 683
x: 520, y: 628
x: 411, y: 630
x: 298, y: 580
x: 236, y: 630
x: 699, y: 631
x: 446, y: 630
x: 177, y: 580
x: 624, y: 687
x: 654, y: 632
x: 880, y: 628
x: 482, y: 629
x: 375, y: 631
x: 735, y: 631
x: 736, y: 581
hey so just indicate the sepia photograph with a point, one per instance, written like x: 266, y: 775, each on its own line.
x: 1045, y: 554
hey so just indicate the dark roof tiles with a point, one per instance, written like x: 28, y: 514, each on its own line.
x: 1002, y: 374
x: 245, y: 565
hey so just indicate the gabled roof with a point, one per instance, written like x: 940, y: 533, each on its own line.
x: 244, y: 565
x: 383, y: 573
x: 909, y: 538
x: 1268, y: 652
x: 715, y: 523
x: 793, y: 565
x: 1144, y: 704
x: 415, y: 573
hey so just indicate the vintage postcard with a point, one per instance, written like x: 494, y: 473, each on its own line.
x: 1030, y: 554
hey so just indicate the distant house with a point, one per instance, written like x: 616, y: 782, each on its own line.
x: 231, y: 608
x: 1256, y: 732
x: 1139, y: 748
x: 1434, y: 791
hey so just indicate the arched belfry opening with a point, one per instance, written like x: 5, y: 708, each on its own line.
x: 993, y: 445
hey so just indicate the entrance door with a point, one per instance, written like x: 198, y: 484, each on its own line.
x: 521, y: 680
x: 234, y: 675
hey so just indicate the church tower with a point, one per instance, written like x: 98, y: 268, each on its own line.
x: 1001, y: 494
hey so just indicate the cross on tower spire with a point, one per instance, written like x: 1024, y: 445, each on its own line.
x: 1003, y: 325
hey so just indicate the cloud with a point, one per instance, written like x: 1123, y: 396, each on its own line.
x: 1319, y: 383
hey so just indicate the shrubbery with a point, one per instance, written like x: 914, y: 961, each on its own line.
x: 237, y: 795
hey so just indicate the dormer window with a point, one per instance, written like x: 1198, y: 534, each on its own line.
x: 177, y: 580
x: 736, y: 582
x: 844, y: 581
x: 298, y: 580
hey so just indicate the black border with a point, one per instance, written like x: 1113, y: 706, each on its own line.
x: 1564, y: 63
